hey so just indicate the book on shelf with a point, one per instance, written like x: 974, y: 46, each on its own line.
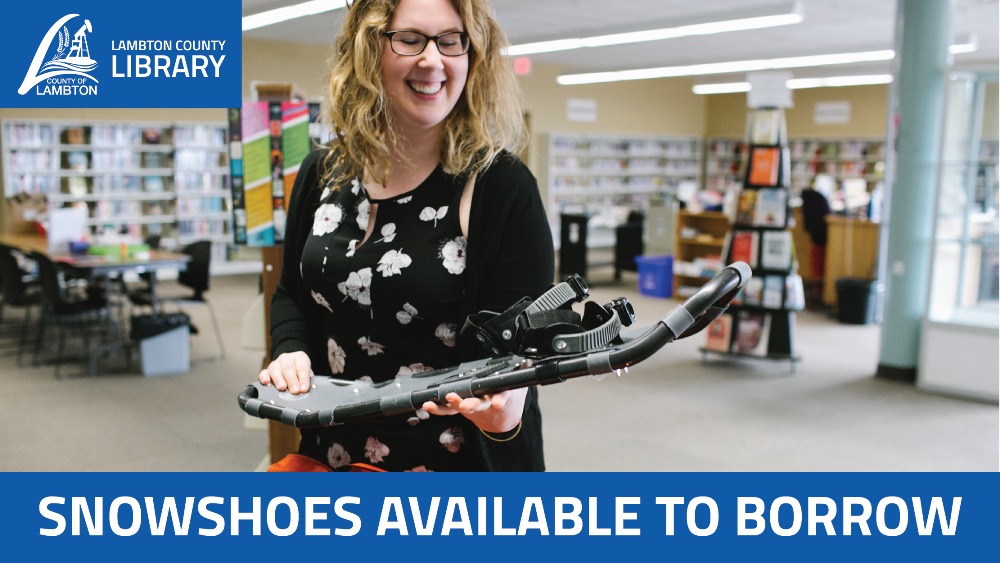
x: 766, y: 127
x: 752, y: 333
x: 776, y: 250
x: 77, y: 160
x: 719, y: 333
x: 771, y: 296
x: 772, y: 206
x: 795, y: 295
x: 746, y: 207
x: 765, y: 163
x: 77, y: 186
x: 74, y: 136
x: 753, y: 290
x: 744, y: 246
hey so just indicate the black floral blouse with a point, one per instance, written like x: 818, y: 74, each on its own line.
x: 390, y: 307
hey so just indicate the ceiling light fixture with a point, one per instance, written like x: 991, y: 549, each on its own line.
x: 790, y: 14
x: 797, y: 83
x: 965, y: 43
x: 721, y: 68
x: 277, y: 15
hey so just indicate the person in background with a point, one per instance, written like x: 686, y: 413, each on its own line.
x: 815, y: 208
x: 415, y: 216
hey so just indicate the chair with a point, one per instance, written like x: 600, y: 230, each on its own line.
x: 59, y: 310
x: 197, y: 277
x: 17, y: 292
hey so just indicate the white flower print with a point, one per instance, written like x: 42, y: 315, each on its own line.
x: 446, y: 332
x: 453, y: 254
x: 452, y: 439
x: 355, y: 186
x: 320, y: 300
x: 418, y: 469
x: 428, y: 214
x: 363, y: 209
x: 373, y: 348
x: 408, y: 313
x: 388, y: 232
x: 335, y: 354
x: 358, y: 286
x: 375, y: 451
x: 337, y: 456
x: 351, y: 248
x: 412, y: 369
x: 404, y: 199
x: 391, y: 262
x: 327, y: 219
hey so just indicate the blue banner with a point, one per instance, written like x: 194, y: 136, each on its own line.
x: 72, y: 54
x: 501, y: 517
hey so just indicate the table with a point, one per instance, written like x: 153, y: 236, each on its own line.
x: 105, y: 267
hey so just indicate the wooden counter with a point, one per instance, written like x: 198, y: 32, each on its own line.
x: 851, y: 252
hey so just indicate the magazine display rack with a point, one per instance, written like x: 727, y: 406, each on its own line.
x: 761, y: 321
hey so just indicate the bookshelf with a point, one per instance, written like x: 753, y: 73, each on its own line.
x: 725, y: 160
x: 840, y: 158
x: 699, y: 240
x: 595, y: 174
x: 760, y: 323
x: 135, y: 179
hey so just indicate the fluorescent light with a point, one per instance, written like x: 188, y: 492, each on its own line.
x: 725, y: 88
x: 965, y: 43
x: 797, y: 83
x: 720, y: 68
x: 291, y: 12
x: 656, y: 34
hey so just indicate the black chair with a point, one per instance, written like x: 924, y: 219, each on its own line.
x: 18, y: 290
x: 196, y: 276
x: 58, y: 309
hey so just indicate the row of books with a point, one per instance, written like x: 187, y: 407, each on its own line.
x: 750, y: 335
x: 189, y: 205
x: 199, y: 135
x: 608, y: 182
x: 194, y: 159
x: 773, y: 292
x: 769, y: 250
x: 33, y: 160
x: 671, y: 149
x: 837, y: 149
x: 201, y: 228
x: 764, y: 207
x: 200, y: 181
x: 727, y: 148
x: 571, y: 165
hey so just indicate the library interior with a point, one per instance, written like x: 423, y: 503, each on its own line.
x: 845, y: 151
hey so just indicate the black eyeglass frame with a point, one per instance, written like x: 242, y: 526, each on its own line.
x: 428, y: 39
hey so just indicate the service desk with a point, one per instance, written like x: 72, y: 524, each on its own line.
x: 851, y: 252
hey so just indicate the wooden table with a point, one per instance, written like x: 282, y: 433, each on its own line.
x: 105, y: 267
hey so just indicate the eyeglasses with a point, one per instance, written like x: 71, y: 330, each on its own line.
x: 412, y: 43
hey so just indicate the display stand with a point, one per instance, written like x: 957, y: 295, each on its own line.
x: 761, y: 322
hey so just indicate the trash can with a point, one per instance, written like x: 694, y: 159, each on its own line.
x: 857, y: 300
x: 655, y: 275
x: 164, y: 341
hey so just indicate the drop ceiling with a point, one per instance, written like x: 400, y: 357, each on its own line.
x: 830, y: 26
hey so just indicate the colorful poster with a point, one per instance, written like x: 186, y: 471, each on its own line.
x: 295, y: 143
x: 257, y: 174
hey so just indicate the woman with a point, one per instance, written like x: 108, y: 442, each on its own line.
x: 413, y: 218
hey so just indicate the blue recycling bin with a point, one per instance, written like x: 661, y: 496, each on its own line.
x: 655, y: 275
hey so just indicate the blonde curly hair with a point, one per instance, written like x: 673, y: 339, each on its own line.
x: 486, y: 119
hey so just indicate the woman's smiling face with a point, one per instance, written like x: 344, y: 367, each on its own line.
x: 423, y: 89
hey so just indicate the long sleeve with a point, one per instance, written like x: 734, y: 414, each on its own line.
x: 290, y: 326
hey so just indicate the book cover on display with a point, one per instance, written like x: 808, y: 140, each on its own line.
x: 753, y: 290
x: 764, y: 166
x: 745, y: 247
x: 772, y: 206
x: 776, y: 250
x: 766, y: 127
x: 795, y: 295
x: 746, y: 207
x: 771, y: 298
x: 719, y: 333
x: 752, y: 333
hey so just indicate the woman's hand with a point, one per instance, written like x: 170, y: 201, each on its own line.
x: 290, y: 371
x: 492, y: 413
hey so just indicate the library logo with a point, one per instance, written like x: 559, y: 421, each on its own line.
x: 67, y: 69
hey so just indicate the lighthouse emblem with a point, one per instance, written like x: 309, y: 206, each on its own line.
x: 70, y: 54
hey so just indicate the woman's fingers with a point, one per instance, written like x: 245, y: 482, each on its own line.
x: 274, y: 370
x: 303, y: 369
x: 264, y: 377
